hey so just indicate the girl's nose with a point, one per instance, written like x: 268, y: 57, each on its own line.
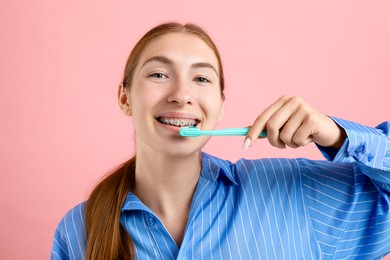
x: 180, y: 94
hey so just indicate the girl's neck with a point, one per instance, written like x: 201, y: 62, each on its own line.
x: 166, y: 183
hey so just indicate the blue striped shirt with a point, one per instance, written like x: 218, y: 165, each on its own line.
x: 270, y: 208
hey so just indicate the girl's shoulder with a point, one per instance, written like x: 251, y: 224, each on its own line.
x: 73, y: 221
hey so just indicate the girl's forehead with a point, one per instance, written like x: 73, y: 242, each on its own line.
x: 179, y: 44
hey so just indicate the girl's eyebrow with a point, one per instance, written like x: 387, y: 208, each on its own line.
x: 204, y: 65
x: 162, y: 59
x: 168, y: 61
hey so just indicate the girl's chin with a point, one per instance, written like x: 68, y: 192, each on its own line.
x: 182, y: 146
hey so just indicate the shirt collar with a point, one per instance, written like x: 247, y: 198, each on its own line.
x: 132, y: 202
x: 214, y: 168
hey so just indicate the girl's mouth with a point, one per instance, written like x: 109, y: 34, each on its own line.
x: 178, y: 122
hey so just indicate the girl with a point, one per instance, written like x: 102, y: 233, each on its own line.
x: 172, y: 201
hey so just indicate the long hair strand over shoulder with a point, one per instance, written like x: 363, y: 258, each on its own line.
x: 107, y: 239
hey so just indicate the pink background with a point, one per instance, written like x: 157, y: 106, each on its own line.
x: 61, y: 61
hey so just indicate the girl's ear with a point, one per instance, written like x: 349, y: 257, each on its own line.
x: 124, y: 100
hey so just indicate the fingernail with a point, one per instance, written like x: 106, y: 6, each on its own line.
x: 246, y: 144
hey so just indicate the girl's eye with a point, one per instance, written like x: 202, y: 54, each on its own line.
x: 202, y: 80
x: 158, y: 75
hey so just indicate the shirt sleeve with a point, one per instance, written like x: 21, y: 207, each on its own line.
x: 368, y: 147
x: 70, y: 237
x: 348, y: 197
x: 60, y: 247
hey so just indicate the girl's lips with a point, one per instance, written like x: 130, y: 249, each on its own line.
x: 174, y: 115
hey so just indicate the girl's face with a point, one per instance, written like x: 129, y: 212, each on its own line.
x: 176, y: 83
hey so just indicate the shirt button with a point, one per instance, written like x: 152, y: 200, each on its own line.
x: 370, y: 157
x: 152, y: 221
x: 360, y: 148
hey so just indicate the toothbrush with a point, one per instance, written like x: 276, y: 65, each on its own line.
x: 195, y: 132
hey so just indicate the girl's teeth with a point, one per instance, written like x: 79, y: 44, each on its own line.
x: 178, y: 122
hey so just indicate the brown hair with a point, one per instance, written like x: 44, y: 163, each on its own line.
x: 107, y: 239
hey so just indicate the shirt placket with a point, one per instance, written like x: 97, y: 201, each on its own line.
x: 163, y: 241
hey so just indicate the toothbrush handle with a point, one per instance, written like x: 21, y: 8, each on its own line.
x: 230, y: 131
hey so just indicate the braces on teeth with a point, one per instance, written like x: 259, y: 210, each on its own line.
x: 178, y: 122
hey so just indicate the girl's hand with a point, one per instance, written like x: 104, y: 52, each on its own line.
x: 290, y: 121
